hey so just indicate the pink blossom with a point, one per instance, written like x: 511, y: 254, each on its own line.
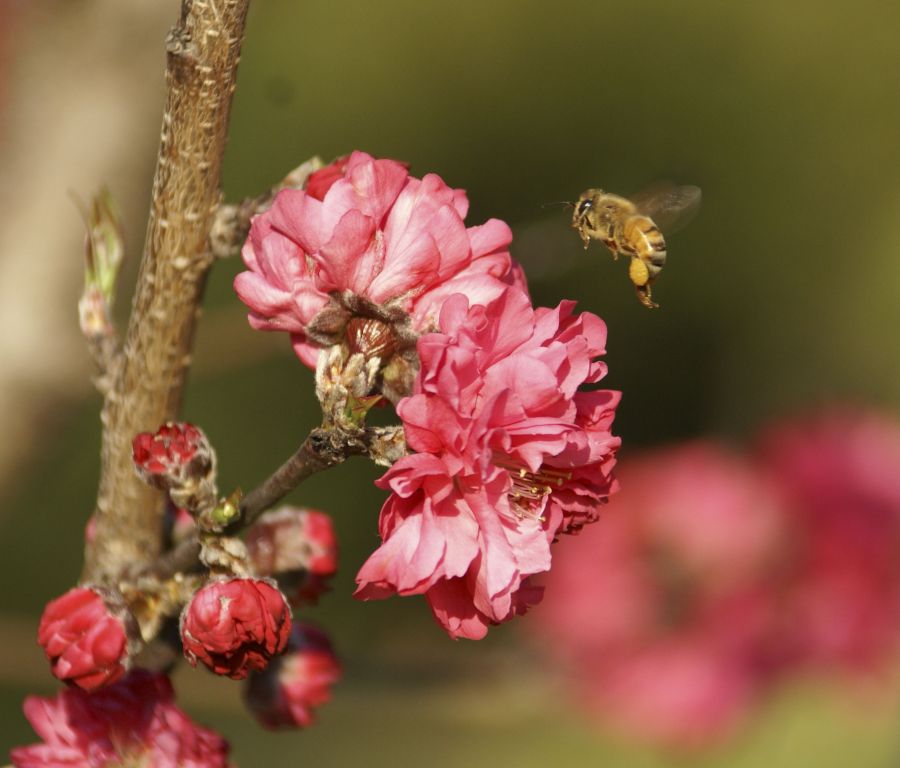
x: 134, y: 722
x: 235, y: 625
x: 296, y: 683
x: 84, y: 635
x: 841, y: 579
x: 299, y: 547
x: 509, y: 453
x: 377, y: 234
x: 664, y: 613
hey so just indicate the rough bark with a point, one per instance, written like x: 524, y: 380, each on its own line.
x: 202, y: 58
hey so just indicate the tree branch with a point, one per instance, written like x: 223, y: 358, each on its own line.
x: 202, y: 57
x: 322, y: 449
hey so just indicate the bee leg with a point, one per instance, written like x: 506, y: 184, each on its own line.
x: 643, y: 294
x: 611, y: 245
x: 640, y: 276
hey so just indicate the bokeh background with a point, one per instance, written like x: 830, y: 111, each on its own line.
x: 782, y: 296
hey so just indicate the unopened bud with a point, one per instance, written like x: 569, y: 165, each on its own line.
x: 235, y: 625
x: 179, y: 459
x: 225, y: 512
x: 286, y: 694
x: 298, y: 546
x: 88, y: 635
x: 320, y: 181
x: 103, y: 254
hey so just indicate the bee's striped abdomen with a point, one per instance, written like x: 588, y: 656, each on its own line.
x: 647, y: 242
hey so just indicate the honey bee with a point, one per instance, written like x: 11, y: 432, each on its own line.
x: 632, y: 226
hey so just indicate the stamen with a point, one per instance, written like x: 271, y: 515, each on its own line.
x: 529, y: 488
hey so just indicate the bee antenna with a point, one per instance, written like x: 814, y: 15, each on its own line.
x: 567, y: 203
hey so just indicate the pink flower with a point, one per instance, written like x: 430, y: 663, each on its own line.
x: 84, y: 634
x: 509, y: 453
x: 841, y: 582
x: 286, y: 694
x: 134, y: 722
x: 378, y: 242
x: 235, y: 625
x: 298, y: 546
x: 665, y: 612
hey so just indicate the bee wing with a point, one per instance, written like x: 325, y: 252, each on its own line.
x: 669, y: 205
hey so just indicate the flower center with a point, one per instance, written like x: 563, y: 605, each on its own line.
x: 529, y: 488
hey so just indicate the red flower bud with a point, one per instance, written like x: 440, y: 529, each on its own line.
x: 235, y: 625
x: 320, y: 181
x: 178, y: 458
x: 285, y: 694
x: 299, y: 546
x: 85, y: 635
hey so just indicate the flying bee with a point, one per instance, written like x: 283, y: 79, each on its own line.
x: 632, y: 226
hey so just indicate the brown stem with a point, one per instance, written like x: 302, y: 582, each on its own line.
x: 105, y: 350
x: 322, y: 449
x: 202, y: 57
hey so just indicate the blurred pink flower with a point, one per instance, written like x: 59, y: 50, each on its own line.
x: 235, y: 625
x: 662, y: 616
x: 377, y: 234
x: 286, y: 694
x: 134, y: 722
x: 298, y: 546
x: 841, y: 475
x: 509, y: 453
x: 84, y: 634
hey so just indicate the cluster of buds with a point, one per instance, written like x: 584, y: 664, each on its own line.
x: 298, y: 547
x: 377, y: 337
x: 344, y: 386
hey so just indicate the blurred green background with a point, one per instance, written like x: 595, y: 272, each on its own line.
x: 781, y: 295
